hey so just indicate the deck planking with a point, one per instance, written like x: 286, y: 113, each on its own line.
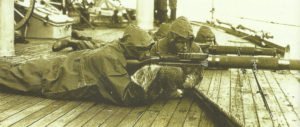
x: 86, y: 116
x: 101, y: 116
x: 244, y: 101
x: 236, y: 93
x: 53, y: 116
x: 30, y: 119
x: 35, y: 112
x: 249, y: 105
x: 151, y: 114
x: 180, y: 113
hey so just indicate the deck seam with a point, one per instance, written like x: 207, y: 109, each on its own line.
x: 286, y: 96
x: 94, y: 115
x: 272, y: 91
x: 254, y: 101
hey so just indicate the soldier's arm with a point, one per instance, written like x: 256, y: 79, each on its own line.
x: 134, y: 95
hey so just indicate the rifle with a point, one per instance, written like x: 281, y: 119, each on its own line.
x: 218, y: 61
x: 238, y: 50
x: 255, y: 39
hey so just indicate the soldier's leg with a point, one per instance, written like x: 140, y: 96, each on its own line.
x: 173, y: 14
x: 76, y: 44
x: 60, y: 45
x: 162, y: 11
x: 173, y: 8
x: 26, y: 77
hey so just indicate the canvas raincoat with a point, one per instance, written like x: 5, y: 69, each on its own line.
x: 190, y: 75
x: 99, y: 74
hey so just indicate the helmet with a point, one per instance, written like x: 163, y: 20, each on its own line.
x: 182, y: 27
x: 136, y: 42
x: 162, y: 31
x: 204, y: 34
x: 135, y: 36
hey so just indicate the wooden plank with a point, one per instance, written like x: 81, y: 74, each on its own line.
x: 65, y: 119
x: 224, y: 91
x: 288, y: 115
x: 39, y: 114
x: 206, y: 120
x: 248, y: 102
x: 117, y: 117
x: 263, y: 116
x: 206, y: 81
x: 20, y: 115
x: 9, y: 101
x: 86, y: 116
x: 236, y: 102
x: 205, y: 87
x: 194, y: 116
x: 56, y: 114
x: 166, y: 113
x: 212, y: 93
x: 180, y: 113
x: 277, y: 115
x: 289, y: 87
x: 133, y: 116
x: 3, y: 96
x: 102, y: 116
x: 151, y: 113
x: 20, y: 107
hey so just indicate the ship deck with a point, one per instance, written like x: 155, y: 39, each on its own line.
x: 235, y: 93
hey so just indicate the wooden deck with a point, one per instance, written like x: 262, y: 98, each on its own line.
x: 22, y: 110
x: 235, y: 93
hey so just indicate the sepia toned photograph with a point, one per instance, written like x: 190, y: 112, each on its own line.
x: 149, y: 63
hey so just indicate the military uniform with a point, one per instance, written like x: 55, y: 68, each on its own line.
x: 98, y: 74
x: 205, y: 37
x: 162, y: 31
x: 78, y: 43
x: 191, y: 75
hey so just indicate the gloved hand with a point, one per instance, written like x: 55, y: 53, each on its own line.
x: 145, y: 76
x: 193, y: 78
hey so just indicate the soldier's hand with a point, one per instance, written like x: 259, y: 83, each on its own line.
x: 190, y: 81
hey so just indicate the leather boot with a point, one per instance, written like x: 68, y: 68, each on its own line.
x: 60, y: 45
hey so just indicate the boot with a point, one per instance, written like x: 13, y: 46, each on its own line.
x: 60, y: 45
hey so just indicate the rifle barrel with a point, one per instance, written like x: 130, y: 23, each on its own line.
x: 217, y: 50
x: 248, y: 62
x: 220, y: 61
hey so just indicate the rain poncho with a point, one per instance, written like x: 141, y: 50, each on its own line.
x: 204, y: 34
x: 162, y: 31
x: 99, y: 74
x: 182, y: 27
